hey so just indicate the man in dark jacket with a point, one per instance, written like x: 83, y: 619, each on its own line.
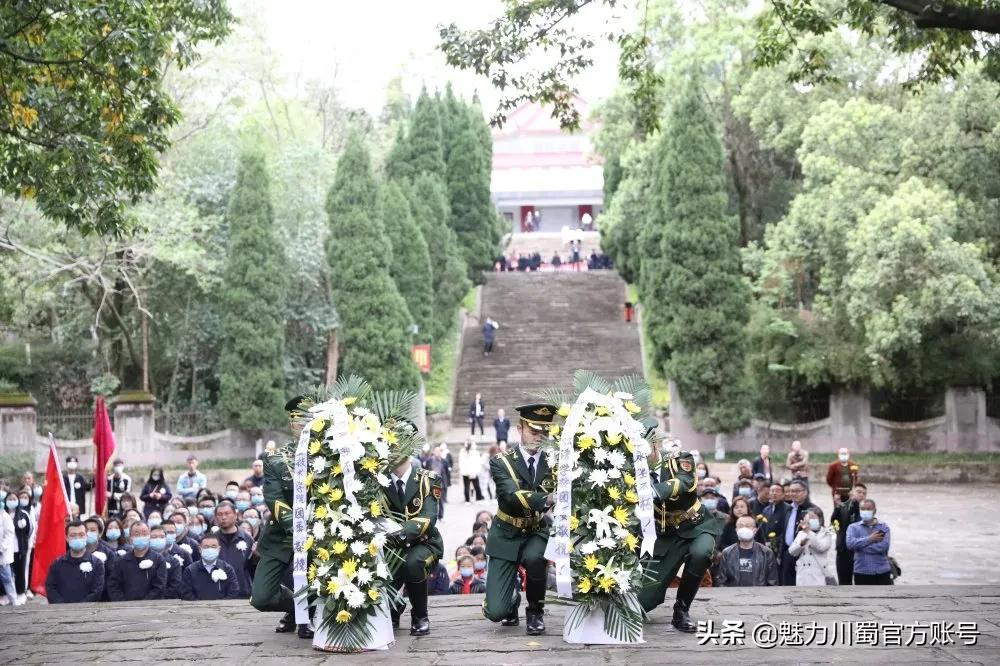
x: 76, y: 576
x: 477, y: 410
x: 211, y: 577
x: 746, y: 563
x: 844, y: 514
x: 502, y: 426
x: 235, y: 545
x: 158, y: 544
x: 139, y: 573
x: 77, y: 486
x: 489, y: 334
x: 798, y: 498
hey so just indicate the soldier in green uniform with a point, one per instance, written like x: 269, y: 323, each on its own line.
x: 274, y: 546
x: 685, y: 534
x: 519, y: 531
x: 412, y: 499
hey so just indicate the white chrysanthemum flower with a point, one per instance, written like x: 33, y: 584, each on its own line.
x: 364, y: 575
x: 355, y: 513
x: 86, y: 567
x: 367, y: 526
x: 609, y: 543
x: 623, y: 396
x: 382, y: 479
x: 360, y: 411
x: 357, y: 486
x: 598, y: 477
x: 621, y: 532
x: 146, y: 564
x: 577, y: 473
x: 379, y: 539
x: 102, y: 557
x: 323, y: 570
x: 382, y: 448
x: 219, y: 575
x: 614, y: 473
x: 319, y: 530
x: 589, y: 548
x: 382, y: 570
x: 617, y: 459
x: 359, y: 547
x: 356, y: 598
x: 346, y: 532
x: 241, y: 545
x: 600, y: 456
x: 318, y: 464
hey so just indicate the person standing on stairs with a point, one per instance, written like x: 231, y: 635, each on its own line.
x: 477, y: 410
x: 489, y: 334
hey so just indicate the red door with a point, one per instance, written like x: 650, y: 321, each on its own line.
x: 587, y: 209
x: 526, y: 211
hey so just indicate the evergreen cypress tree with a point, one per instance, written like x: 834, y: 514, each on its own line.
x: 429, y: 201
x: 254, y: 286
x: 411, y: 265
x: 426, y: 141
x: 397, y: 162
x: 704, y: 297
x: 374, y: 340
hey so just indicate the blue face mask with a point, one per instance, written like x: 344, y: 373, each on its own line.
x: 814, y: 524
x: 171, y: 539
x: 231, y: 494
x: 23, y: 503
x: 210, y: 554
x: 207, y: 511
x: 242, y: 505
x: 257, y: 499
x: 37, y: 491
x: 91, y: 538
x: 113, y: 535
x: 866, y: 515
x: 744, y: 492
x: 77, y: 544
x: 159, y: 543
x: 465, y: 571
x: 12, y: 504
x: 710, y: 504
x: 3, y: 494
x: 480, y: 565
x: 140, y: 543
x: 254, y: 522
x: 127, y: 530
x: 154, y: 522
x: 196, y: 530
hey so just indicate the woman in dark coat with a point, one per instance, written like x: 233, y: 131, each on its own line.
x: 156, y: 493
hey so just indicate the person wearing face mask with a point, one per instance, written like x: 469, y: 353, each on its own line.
x: 155, y: 492
x: 479, y: 563
x: 235, y: 546
x: 519, y: 532
x: 869, y: 539
x: 257, y: 498
x: 191, y: 481
x: 100, y: 549
x: 746, y: 563
x: 232, y: 491
x: 19, y: 508
x: 242, y: 502
x: 183, y: 540
x: 77, y: 576
x: 158, y: 544
x: 113, y: 534
x: 140, y: 573
x: 8, y: 544
x: 467, y: 582
x: 118, y: 484
x: 211, y: 577
x: 810, y: 548
x: 206, y: 509
x: 797, y: 497
x: 842, y: 475
x: 77, y: 485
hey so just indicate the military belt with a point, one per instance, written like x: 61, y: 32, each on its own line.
x: 527, y: 524
x: 675, y: 518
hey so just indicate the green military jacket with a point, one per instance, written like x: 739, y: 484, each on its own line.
x: 521, y: 503
x: 417, y: 509
x: 279, y: 495
x: 676, y: 509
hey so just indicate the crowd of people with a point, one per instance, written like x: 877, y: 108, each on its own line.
x: 574, y: 260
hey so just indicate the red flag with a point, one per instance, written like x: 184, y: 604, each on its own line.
x: 50, y: 544
x: 104, y: 442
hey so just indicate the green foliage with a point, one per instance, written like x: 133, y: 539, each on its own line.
x: 704, y: 298
x: 104, y: 385
x: 426, y: 140
x: 374, y: 320
x: 411, y: 265
x: 14, y: 465
x: 85, y: 109
x: 255, y: 284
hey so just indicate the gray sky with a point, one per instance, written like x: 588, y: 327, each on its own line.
x: 360, y: 45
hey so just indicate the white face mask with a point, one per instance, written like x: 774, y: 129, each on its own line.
x: 844, y: 457
x: 814, y: 524
x: 119, y: 469
x: 745, y: 533
x: 71, y: 466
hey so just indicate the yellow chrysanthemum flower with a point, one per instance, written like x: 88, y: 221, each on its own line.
x: 621, y: 514
x: 606, y: 583
x: 339, y: 547
x: 375, y: 508
x: 602, y: 410
x: 629, y: 446
x: 631, y: 496
x: 350, y: 567
x: 336, y: 494
x: 372, y: 549
x: 349, y: 400
x: 369, y: 464
x: 309, y: 542
x: 320, y: 512
x: 632, y: 407
x: 309, y: 479
x: 311, y: 573
x: 629, y: 479
x: 343, y: 617
x: 614, y: 493
x: 337, y: 470
x: 323, y: 489
x: 373, y: 594
x: 314, y: 447
x: 614, y: 440
x: 323, y: 554
x: 332, y: 586
x: 583, y: 585
x: 563, y: 410
x: 390, y: 436
x: 631, y: 541
x: 585, y: 442
x: 318, y: 426
x: 591, y: 562
x: 574, y: 523
x: 554, y: 430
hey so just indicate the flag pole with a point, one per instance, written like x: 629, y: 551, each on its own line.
x: 55, y: 449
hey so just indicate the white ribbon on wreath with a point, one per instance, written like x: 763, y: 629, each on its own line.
x: 558, y: 548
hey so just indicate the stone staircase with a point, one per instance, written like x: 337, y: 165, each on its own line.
x: 550, y: 325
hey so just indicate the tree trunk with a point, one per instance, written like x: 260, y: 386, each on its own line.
x: 332, y: 357
x: 145, y: 351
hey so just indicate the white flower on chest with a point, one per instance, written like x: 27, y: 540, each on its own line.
x: 146, y: 564
x: 86, y: 567
x: 219, y: 575
x: 241, y: 545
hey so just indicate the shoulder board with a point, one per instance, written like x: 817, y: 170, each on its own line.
x: 428, y: 473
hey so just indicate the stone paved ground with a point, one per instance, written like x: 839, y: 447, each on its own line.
x: 233, y: 633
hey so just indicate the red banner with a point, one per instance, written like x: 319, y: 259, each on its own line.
x: 421, y: 355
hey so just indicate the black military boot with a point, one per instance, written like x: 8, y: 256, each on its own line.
x: 305, y: 631
x: 685, y: 595
x: 535, y: 621
x: 513, y: 618
x: 286, y: 624
x: 420, y: 625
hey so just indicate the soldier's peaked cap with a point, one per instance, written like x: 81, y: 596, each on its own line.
x: 537, y: 415
x: 295, y: 404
